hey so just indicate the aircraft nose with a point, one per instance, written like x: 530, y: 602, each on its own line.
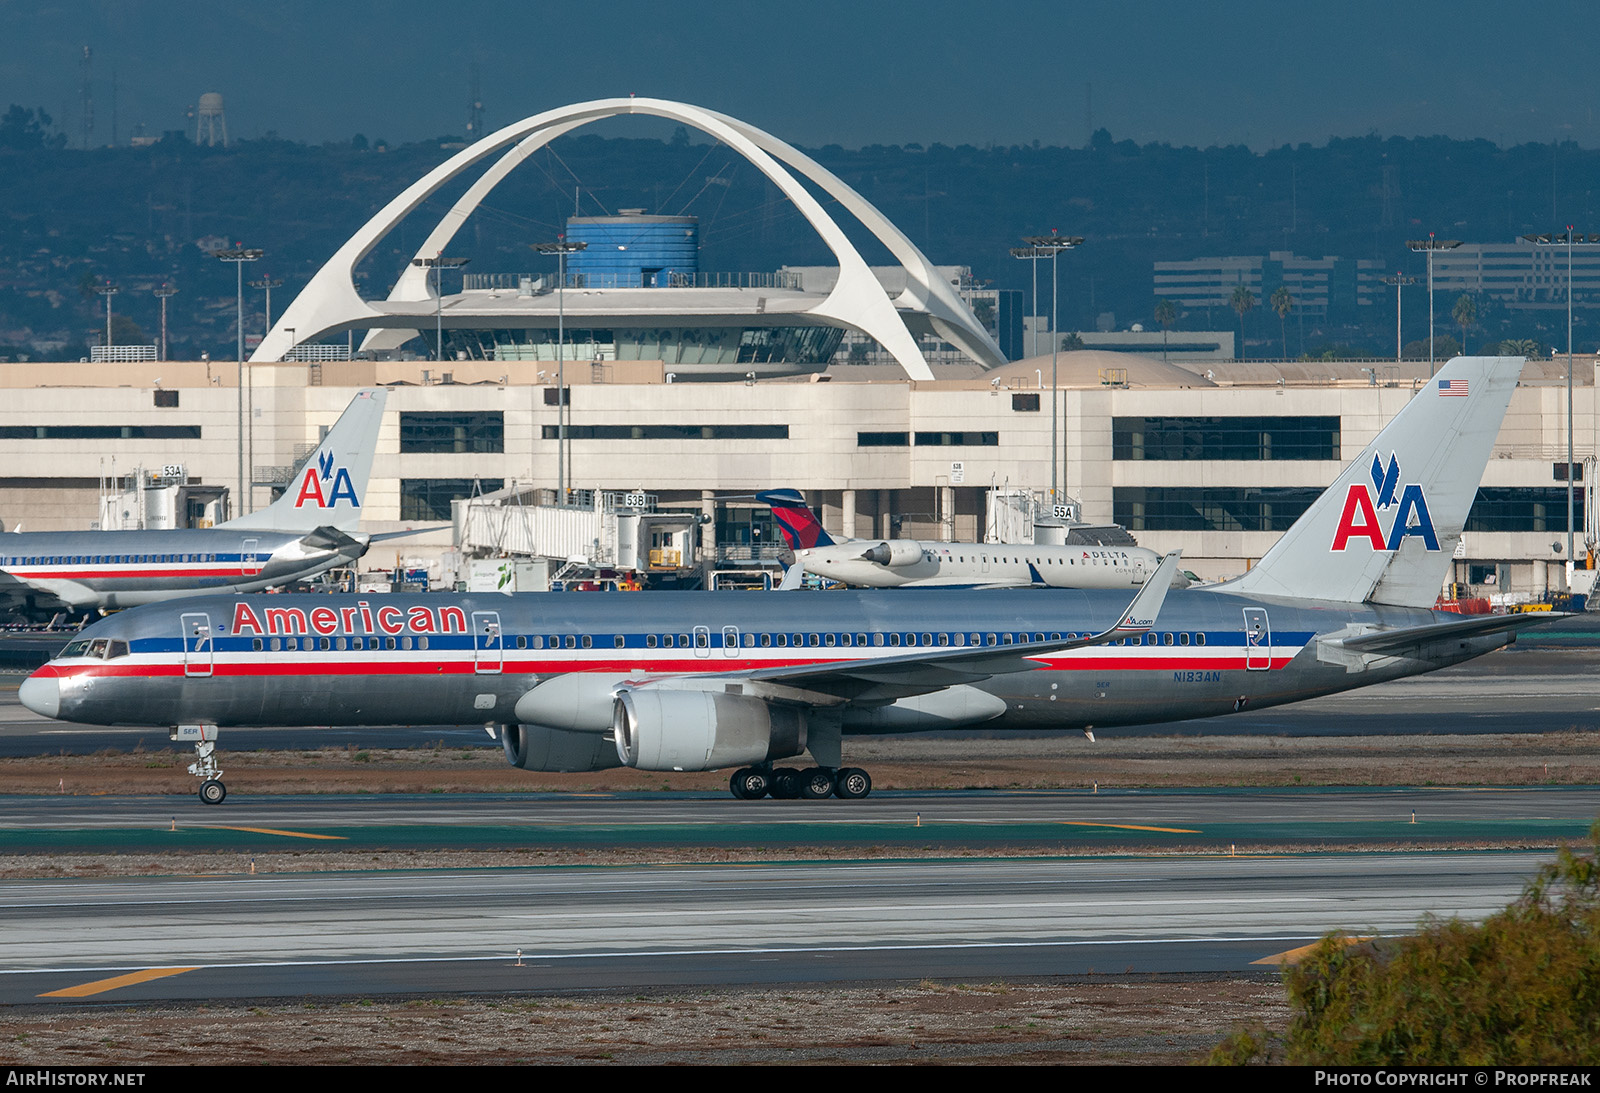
x: 40, y: 694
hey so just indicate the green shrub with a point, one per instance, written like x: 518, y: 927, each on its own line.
x: 1520, y: 989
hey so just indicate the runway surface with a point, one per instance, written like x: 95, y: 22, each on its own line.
x: 1183, y: 886
x: 1057, y: 819
x: 580, y: 929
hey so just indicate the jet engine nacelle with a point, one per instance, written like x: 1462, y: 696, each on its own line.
x: 895, y: 552
x: 540, y: 747
x: 669, y: 729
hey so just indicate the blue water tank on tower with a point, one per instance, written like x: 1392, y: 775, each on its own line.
x: 632, y: 250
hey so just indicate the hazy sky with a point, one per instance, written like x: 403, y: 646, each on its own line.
x: 825, y: 71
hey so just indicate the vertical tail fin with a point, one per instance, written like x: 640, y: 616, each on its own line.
x: 1387, y: 528
x: 800, y: 526
x: 327, y: 489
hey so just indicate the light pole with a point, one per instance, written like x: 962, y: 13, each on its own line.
x: 561, y: 248
x: 1568, y: 239
x: 1053, y: 245
x: 1430, y: 245
x: 437, y: 263
x: 1399, y: 281
x: 239, y: 255
x: 165, y: 290
x: 268, y: 284
x: 108, y: 290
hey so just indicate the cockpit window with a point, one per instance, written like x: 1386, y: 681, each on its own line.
x: 99, y: 648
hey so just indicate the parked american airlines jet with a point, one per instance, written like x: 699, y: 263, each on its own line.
x: 707, y: 681
x: 902, y: 563
x: 312, y: 527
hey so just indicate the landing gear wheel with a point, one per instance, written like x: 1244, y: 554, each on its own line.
x: 816, y: 784
x: 213, y: 792
x: 785, y: 784
x: 749, y: 783
x: 852, y: 783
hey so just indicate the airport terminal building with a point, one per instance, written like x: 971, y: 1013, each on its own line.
x: 1217, y: 462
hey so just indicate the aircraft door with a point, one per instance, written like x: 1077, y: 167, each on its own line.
x: 197, y: 655
x: 730, y: 641
x: 1257, y: 640
x: 488, y: 645
x: 250, y: 557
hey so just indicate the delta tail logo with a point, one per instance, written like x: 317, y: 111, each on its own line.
x: 1361, y: 522
x: 323, y: 486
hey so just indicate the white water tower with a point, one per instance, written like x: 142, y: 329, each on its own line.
x: 211, y: 125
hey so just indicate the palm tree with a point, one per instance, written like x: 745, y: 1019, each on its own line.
x: 1283, y: 303
x: 1166, y: 315
x: 1242, y: 301
x: 1466, y: 314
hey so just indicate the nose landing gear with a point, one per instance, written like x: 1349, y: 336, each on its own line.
x: 204, y: 767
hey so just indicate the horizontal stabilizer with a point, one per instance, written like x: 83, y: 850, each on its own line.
x: 385, y: 536
x: 1397, y: 642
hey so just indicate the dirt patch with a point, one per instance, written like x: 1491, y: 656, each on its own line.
x: 1125, y: 1020
x: 1054, y: 762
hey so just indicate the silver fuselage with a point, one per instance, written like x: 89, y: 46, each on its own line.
x: 462, y: 659
x: 116, y: 569
x: 985, y: 564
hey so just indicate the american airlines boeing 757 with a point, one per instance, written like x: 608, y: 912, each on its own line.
x: 311, y: 528
x: 707, y: 681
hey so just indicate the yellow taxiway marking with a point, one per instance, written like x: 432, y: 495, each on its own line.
x: 1132, y: 827
x: 275, y: 831
x: 100, y: 986
x: 1294, y: 956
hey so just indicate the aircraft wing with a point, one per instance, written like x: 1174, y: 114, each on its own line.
x: 883, y: 679
x: 1414, y: 638
x: 17, y: 595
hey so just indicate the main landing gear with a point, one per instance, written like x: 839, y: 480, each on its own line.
x: 204, y: 767
x: 788, y: 784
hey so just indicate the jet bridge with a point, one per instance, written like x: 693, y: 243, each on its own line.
x: 597, y: 530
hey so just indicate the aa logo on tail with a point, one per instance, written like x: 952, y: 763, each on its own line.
x: 313, y: 492
x: 1360, y: 520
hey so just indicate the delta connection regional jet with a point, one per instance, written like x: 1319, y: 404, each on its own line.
x: 707, y: 681
x: 312, y: 527
x: 917, y: 563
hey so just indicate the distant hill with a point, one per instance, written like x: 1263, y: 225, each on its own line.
x: 141, y: 216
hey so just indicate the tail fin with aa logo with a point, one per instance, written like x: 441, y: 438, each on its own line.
x: 328, y: 487
x: 1387, y: 528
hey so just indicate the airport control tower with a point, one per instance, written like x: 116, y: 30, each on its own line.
x: 633, y: 250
